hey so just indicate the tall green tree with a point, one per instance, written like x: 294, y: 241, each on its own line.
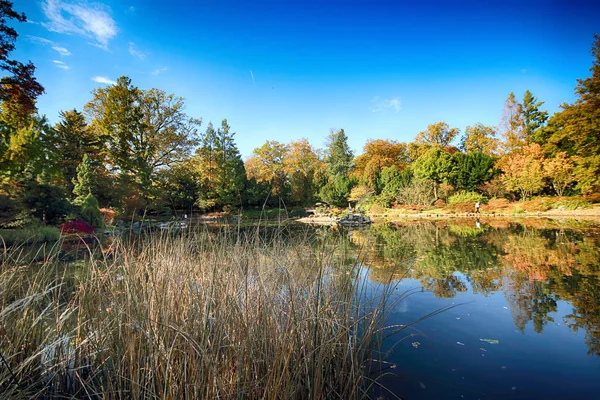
x: 533, y: 117
x: 74, y: 139
x: 232, y: 174
x: 434, y: 166
x: 339, y: 157
x: 144, y: 130
x: 84, y: 183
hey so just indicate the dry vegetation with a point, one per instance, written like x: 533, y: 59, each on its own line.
x: 203, y: 315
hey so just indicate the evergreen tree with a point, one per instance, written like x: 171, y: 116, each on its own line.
x: 232, y: 174
x: 339, y: 156
x: 90, y: 210
x: 84, y: 183
x: 533, y: 117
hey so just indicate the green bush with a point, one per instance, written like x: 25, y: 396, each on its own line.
x: 31, y: 234
x: 466, y: 197
x: 572, y: 204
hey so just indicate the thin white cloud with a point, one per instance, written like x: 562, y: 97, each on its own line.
x: 104, y: 80
x: 159, y: 71
x: 379, y: 105
x: 135, y: 52
x: 131, y: 9
x: 60, y: 64
x: 252, y: 75
x: 61, y: 50
x: 39, y: 40
x: 45, y: 42
x: 81, y: 18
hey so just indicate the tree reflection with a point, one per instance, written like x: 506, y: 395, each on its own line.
x: 534, y: 266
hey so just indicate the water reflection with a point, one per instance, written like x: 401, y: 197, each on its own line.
x: 532, y: 264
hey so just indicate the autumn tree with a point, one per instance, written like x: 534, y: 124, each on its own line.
x: 512, y: 125
x: 301, y: 164
x: 377, y: 155
x: 559, y: 170
x: 480, y: 138
x: 19, y: 89
x: 439, y: 134
x: 523, y: 171
x: 267, y: 165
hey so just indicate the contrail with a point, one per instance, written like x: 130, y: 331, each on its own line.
x: 252, y: 75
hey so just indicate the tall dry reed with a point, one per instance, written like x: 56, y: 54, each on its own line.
x: 228, y: 314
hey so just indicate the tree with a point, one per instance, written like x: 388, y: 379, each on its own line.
x: 439, y: 134
x: 27, y: 151
x: 301, y: 164
x: 90, y: 210
x: 392, y: 181
x: 336, y: 191
x: 533, y: 118
x: 144, y: 130
x: 512, y: 125
x: 470, y: 170
x: 480, y: 138
x: 433, y: 166
x: 84, y: 183
x: 377, y: 155
x: 338, y: 154
x: 46, y: 202
x: 232, y: 174
x: 574, y: 130
x: 559, y: 171
x: 180, y: 185
x: 74, y: 139
x: 523, y: 171
x: 267, y: 165
x: 19, y: 89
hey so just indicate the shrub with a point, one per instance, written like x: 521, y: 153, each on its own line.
x: 466, y: 197
x: 31, y: 234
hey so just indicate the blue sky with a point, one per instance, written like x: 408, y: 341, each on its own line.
x: 283, y: 70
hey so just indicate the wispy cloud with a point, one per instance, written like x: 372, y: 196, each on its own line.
x: 104, y: 80
x: 81, y: 18
x: 61, y: 50
x: 45, y: 42
x: 135, y: 52
x: 159, y: 71
x: 379, y: 105
x: 60, y: 64
x: 252, y: 75
x: 131, y: 9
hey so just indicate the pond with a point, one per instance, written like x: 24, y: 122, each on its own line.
x: 526, y: 317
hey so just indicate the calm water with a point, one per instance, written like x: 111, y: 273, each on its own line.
x: 527, y: 319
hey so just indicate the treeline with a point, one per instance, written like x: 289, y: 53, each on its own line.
x: 131, y: 149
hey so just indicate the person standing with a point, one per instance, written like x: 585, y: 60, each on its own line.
x: 477, y: 208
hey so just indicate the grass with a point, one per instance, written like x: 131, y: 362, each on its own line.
x: 33, y: 234
x: 200, y: 315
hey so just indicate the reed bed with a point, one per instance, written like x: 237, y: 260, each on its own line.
x: 228, y: 314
